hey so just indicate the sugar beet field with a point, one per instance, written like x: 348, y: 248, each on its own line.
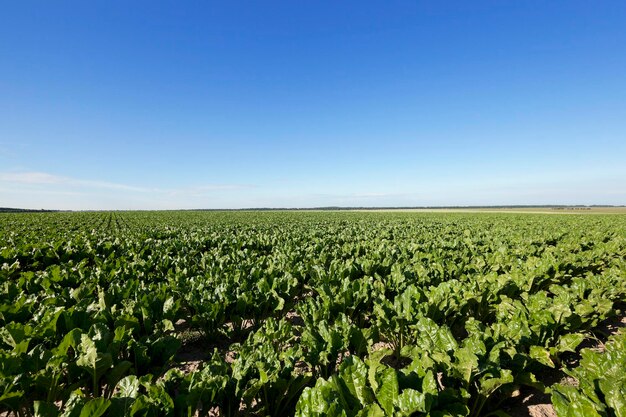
x: 312, y: 314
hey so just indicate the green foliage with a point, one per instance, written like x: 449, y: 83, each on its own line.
x: 601, y: 389
x: 343, y: 313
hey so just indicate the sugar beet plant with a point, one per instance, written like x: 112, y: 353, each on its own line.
x: 307, y: 314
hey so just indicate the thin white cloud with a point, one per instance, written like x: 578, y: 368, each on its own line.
x: 30, y: 178
x: 32, y: 189
x: 43, y: 178
x: 375, y: 195
x: 29, y: 191
x: 34, y: 178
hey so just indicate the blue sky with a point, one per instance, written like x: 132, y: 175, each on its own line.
x: 153, y: 104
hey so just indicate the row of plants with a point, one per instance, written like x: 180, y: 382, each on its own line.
x: 322, y: 313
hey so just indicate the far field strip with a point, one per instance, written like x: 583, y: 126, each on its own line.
x: 529, y: 210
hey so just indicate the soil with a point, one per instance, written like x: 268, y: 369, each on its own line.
x: 294, y: 318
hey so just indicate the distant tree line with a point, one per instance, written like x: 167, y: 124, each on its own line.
x: 19, y: 210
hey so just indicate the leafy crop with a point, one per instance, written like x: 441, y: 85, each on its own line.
x: 601, y: 389
x: 308, y: 314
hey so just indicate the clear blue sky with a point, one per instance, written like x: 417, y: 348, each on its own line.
x: 152, y: 104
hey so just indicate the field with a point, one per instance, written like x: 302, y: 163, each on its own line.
x: 311, y: 313
x: 516, y: 210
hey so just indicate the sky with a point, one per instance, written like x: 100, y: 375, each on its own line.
x: 235, y: 104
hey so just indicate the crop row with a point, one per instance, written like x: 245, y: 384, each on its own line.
x: 304, y: 314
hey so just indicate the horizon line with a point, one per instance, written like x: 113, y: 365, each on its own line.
x: 331, y: 208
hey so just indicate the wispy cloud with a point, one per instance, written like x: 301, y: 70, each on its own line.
x: 377, y: 195
x: 34, y: 178
x: 43, y: 178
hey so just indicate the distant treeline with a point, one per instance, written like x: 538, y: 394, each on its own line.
x: 19, y: 210
x: 335, y: 208
x: 573, y: 208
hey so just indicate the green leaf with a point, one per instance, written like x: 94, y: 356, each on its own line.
x: 387, y: 393
x: 372, y: 410
x: 489, y: 385
x: 120, y: 406
x: 45, y: 409
x: 127, y: 387
x: 411, y: 401
x: 17, y: 336
x: 568, y: 402
x: 11, y: 399
x: 541, y: 355
x: 117, y: 372
x: 140, y: 406
x: 168, y: 306
x: 429, y: 383
x: 529, y: 379
x: 167, y: 326
x: 570, y: 342
x: 320, y: 400
x: 614, y: 395
x: 158, y: 395
x: 92, y: 360
x: 95, y: 407
x: 355, y: 378
x: 374, y: 363
x: 280, y: 305
x: 466, y: 362
x: 71, y: 339
x: 74, y: 404
x: 432, y: 337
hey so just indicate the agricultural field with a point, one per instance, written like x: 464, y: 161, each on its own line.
x: 311, y: 313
